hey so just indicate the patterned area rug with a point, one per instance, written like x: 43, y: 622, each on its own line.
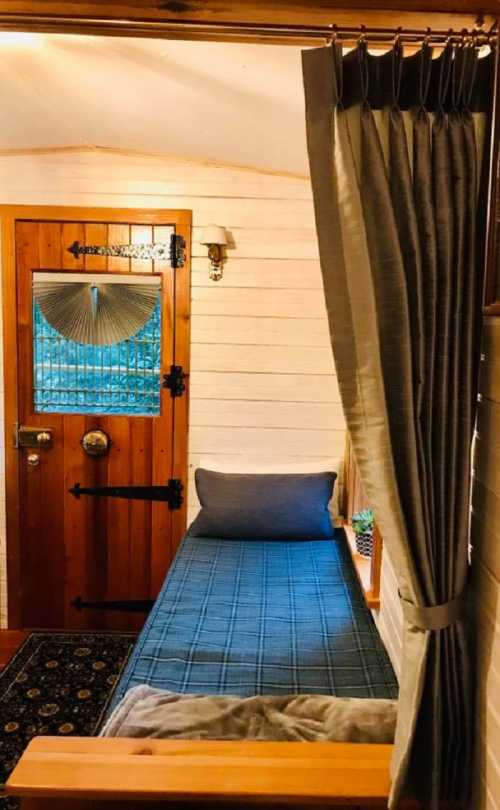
x: 57, y: 684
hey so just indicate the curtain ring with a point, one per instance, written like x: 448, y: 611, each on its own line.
x: 362, y: 36
x: 397, y: 39
x: 492, y: 34
x: 333, y: 35
x: 476, y: 34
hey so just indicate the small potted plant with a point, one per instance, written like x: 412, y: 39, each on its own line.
x: 362, y: 524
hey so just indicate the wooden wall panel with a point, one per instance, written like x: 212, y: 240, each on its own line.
x: 285, y: 304
x: 265, y: 243
x: 490, y: 367
x: 264, y: 387
x: 255, y: 414
x: 263, y: 359
x: 306, y: 332
x: 270, y: 441
x: 251, y: 272
x: 390, y: 619
x: 486, y: 533
x: 77, y: 173
x: 485, y: 538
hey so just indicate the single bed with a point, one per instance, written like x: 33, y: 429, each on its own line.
x: 251, y: 617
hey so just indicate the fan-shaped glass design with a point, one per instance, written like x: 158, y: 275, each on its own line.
x: 96, y: 311
x: 101, y: 377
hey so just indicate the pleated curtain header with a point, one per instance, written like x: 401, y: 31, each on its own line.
x: 456, y: 80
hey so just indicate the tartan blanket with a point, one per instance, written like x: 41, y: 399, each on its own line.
x: 261, y: 617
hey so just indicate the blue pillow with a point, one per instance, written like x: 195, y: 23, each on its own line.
x: 261, y: 506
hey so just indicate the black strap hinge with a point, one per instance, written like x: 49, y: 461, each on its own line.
x: 126, y: 605
x: 174, y: 381
x: 174, y: 250
x: 171, y: 493
x: 177, y: 250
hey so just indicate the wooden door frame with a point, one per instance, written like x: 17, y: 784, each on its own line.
x: 9, y: 215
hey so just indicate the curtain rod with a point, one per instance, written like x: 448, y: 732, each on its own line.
x: 333, y: 31
x: 240, y: 30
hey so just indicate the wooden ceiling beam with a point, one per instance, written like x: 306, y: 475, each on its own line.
x: 219, y: 19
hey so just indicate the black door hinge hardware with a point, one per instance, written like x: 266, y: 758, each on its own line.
x: 174, y: 381
x: 171, y: 493
x: 177, y: 250
x: 173, y: 251
x: 127, y: 605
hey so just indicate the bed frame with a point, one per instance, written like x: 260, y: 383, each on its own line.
x: 75, y: 773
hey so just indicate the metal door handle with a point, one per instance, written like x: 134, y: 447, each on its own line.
x: 96, y: 443
x: 44, y: 438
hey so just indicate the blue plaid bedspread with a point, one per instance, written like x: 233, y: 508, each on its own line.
x: 247, y: 617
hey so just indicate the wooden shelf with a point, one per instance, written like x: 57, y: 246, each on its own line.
x: 363, y: 567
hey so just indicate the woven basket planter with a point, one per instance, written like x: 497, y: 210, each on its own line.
x: 364, y: 544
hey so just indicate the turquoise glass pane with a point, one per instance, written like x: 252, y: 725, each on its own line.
x: 122, y: 378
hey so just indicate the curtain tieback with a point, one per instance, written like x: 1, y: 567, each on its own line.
x: 434, y: 617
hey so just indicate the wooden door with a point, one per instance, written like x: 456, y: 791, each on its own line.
x: 92, y: 548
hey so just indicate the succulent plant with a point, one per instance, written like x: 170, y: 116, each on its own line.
x: 362, y: 522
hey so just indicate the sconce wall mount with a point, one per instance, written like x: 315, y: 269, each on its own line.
x: 215, y: 238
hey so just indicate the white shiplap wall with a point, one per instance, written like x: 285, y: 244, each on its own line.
x: 263, y: 385
x: 389, y: 619
x: 486, y: 569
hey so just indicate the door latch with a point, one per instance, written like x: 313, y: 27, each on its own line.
x: 25, y: 436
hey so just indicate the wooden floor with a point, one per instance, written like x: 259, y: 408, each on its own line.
x: 10, y: 641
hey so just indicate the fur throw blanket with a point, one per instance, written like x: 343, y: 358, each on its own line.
x: 148, y: 712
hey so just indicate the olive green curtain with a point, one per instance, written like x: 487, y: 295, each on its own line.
x: 395, y: 152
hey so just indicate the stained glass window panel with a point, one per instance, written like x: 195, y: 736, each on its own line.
x: 122, y: 377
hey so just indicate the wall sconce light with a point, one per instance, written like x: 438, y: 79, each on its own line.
x: 215, y: 237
